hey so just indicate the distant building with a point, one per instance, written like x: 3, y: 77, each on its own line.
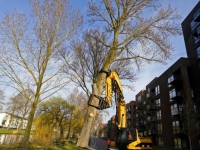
x: 12, y: 121
x: 112, y: 129
x: 130, y: 113
x: 103, y: 130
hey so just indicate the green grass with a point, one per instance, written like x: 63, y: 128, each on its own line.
x: 68, y: 146
x: 10, y: 131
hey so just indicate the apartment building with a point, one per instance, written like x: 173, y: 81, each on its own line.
x: 168, y: 108
x: 130, y: 120
x: 130, y: 114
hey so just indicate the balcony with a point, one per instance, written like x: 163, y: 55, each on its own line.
x: 150, y: 95
x: 151, y: 132
x: 175, y: 80
x: 151, y: 120
x: 176, y: 130
x: 196, y: 16
x: 138, y: 106
x: 176, y: 111
x: 151, y: 107
x: 140, y: 123
x: 159, y: 131
x: 128, y: 117
x: 148, y: 112
x: 129, y: 109
x: 175, y: 95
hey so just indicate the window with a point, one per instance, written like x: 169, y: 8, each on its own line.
x: 196, y: 39
x: 196, y: 15
x: 160, y: 128
x: 158, y: 114
x: 177, y: 142
x: 170, y: 79
x: 192, y: 93
x: 193, y: 24
x: 174, y: 109
x: 198, y: 52
x: 144, y: 112
x: 158, y: 102
x: 197, y: 35
x: 148, y: 93
x: 139, y: 98
x: 148, y: 118
x: 129, y: 116
x: 172, y: 93
x: 160, y: 141
x: 157, y: 90
x: 176, y: 127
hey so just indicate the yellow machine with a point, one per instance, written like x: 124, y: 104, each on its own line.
x: 131, y: 139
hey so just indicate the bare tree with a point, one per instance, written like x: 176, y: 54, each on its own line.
x: 1, y: 100
x: 78, y: 99
x: 190, y: 118
x: 135, y: 30
x: 19, y: 105
x: 30, y: 56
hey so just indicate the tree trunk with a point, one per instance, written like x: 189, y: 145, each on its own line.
x: 97, y: 87
x: 69, y: 130
x: 88, y: 122
x: 29, y: 125
x: 61, y: 132
x: 10, y: 121
x: 21, y: 123
x: 87, y: 125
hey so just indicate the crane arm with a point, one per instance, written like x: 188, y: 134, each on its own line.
x: 113, y: 85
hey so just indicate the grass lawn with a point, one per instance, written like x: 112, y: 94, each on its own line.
x: 36, y: 147
x: 5, y: 131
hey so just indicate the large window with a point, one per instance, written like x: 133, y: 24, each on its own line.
x: 160, y: 141
x: 158, y: 103
x: 157, y: 90
x: 158, y: 115
x: 177, y: 143
x: 176, y: 127
x: 159, y: 128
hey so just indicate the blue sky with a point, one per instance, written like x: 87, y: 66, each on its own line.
x: 149, y: 71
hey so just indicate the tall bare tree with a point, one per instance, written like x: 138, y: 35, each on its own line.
x: 135, y: 30
x: 30, y: 56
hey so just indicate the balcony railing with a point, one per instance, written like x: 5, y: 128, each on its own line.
x: 150, y: 95
x: 138, y: 106
x: 128, y: 117
x: 151, y: 107
x: 196, y: 16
